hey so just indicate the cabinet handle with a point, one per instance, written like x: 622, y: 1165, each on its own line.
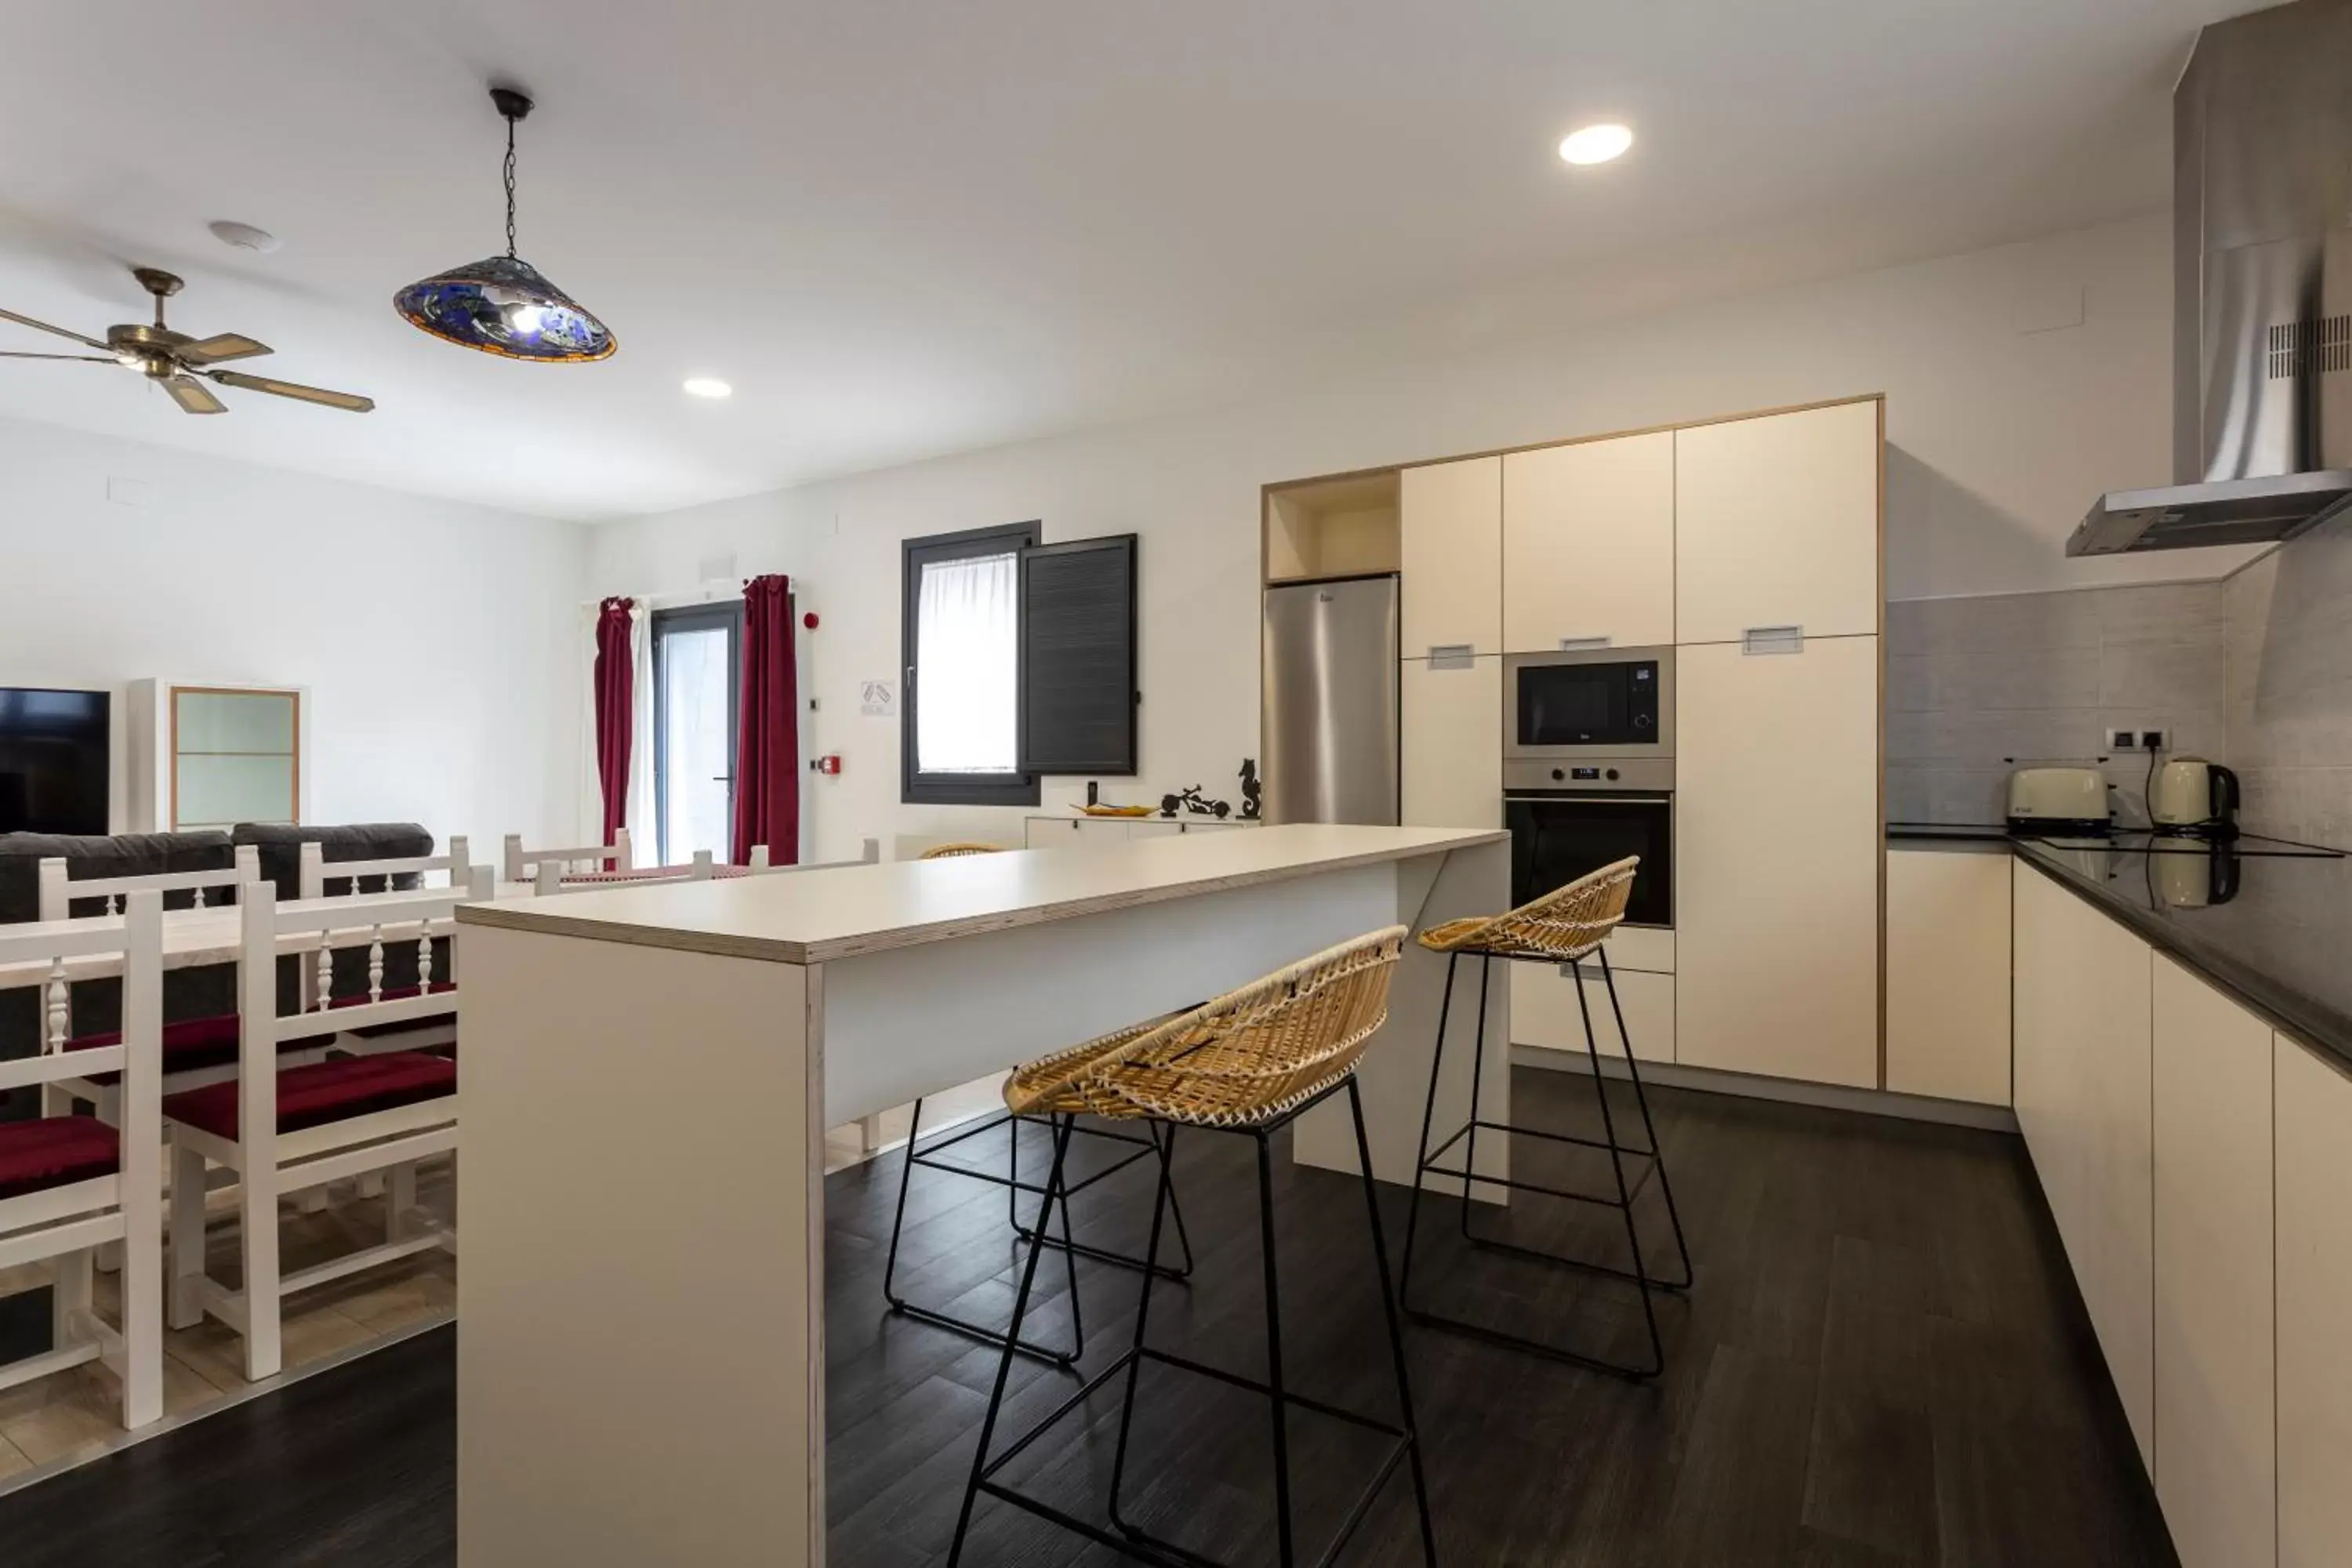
x: 1453, y: 655
x: 1583, y: 645
x: 1773, y: 639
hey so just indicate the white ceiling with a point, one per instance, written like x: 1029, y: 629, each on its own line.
x: 902, y: 227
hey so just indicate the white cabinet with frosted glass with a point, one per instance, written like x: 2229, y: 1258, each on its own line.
x: 210, y: 755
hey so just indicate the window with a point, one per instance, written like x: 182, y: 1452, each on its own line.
x: 1019, y: 661
x: 697, y: 661
x: 961, y: 706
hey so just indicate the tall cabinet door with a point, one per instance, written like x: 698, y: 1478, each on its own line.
x: 1450, y: 545
x: 1451, y: 715
x: 2315, y: 1283
x: 2215, y: 1415
x: 1776, y: 520
x: 1777, y: 860
x: 1589, y: 544
x: 2085, y: 1094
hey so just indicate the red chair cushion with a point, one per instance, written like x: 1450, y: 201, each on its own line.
x: 397, y: 993
x: 323, y: 1093
x: 55, y: 1152
x: 189, y: 1044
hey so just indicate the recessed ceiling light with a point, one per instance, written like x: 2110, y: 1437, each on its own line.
x: 243, y: 236
x: 708, y: 386
x: 1596, y: 143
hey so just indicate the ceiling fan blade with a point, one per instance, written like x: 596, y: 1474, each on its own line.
x: 45, y: 327
x: 345, y: 400
x: 93, y: 359
x: 193, y: 395
x: 226, y: 346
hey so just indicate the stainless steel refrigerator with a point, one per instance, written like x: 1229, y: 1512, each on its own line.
x: 1330, y: 701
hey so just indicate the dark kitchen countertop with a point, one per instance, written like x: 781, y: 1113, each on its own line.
x: 2282, y: 946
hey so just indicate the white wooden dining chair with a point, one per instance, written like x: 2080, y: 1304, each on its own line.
x: 286, y: 1131
x: 196, y: 1051
x: 870, y: 852
x: 520, y: 864
x: 314, y: 870
x: 60, y: 891
x: 71, y: 1184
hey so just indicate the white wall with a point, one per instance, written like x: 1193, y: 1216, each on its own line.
x: 439, y: 641
x: 2001, y: 435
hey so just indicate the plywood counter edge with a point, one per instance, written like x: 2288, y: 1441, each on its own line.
x: 519, y: 915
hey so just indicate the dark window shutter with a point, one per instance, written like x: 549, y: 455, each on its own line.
x: 1077, y: 656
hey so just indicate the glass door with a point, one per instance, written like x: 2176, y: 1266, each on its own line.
x: 696, y: 663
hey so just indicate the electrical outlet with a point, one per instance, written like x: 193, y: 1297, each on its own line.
x: 2154, y: 741
x: 2125, y: 741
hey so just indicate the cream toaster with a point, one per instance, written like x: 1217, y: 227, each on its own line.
x: 2048, y: 800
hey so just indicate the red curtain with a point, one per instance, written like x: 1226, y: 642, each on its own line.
x: 767, y: 753
x: 615, y: 677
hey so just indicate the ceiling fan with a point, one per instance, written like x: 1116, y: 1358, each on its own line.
x: 175, y: 361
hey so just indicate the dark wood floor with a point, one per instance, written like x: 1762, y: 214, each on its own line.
x: 1884, y: 1364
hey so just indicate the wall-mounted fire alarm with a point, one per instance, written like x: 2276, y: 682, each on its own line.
x: 809, y: 620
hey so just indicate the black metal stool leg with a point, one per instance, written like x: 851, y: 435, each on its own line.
x: 1160, y: 1203
x: 1012, y: 1344
x: 1396, y: 1332
x: 1177, y: 1273
x: 1273, y: 1350
x: 1649, y: 1129
x: 1477, y: 1081
x: 1617, y: 1165
x: 1428, y: 1114
x: 980, y: 1331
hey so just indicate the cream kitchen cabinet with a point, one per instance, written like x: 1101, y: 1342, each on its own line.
x: 2085, y: 1081
x: 1545, y: 1011
x: 1777, y: 524
x: 1777, y: 858
x: 2314, y: 1127
x: 1948, y: 971
x: 1451, y: 735
x: 2215, y: 1415
x: 1589, y: 544
x: 1451, y: 546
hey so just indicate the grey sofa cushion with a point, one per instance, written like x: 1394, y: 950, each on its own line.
x: 281, y: 849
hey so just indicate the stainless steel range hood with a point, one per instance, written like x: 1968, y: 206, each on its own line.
x: 2262, y: 428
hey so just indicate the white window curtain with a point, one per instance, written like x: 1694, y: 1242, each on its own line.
x: 965, y: 658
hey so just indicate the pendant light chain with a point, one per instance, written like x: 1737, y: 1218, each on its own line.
x: 510, y: 186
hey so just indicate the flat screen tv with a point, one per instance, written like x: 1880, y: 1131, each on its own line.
x: 54, y: 749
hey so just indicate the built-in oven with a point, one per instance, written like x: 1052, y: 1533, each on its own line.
x: 1563, y: 828
x: 1603, y: 704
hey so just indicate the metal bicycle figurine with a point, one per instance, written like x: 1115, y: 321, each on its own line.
x: 1564, y: 928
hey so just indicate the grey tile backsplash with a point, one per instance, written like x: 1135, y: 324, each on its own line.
x: 1972, y: 684
x: 2289, y: 687
x: 2254, y: 671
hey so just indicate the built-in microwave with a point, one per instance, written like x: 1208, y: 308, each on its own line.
x: 1598, y: 705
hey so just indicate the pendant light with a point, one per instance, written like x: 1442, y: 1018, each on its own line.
x: 503, y: 305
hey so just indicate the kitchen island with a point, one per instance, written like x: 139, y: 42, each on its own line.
x: 649, y: 1072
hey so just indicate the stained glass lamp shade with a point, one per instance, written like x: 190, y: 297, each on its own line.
x: 503, y: 306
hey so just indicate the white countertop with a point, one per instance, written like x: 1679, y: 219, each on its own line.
x: 839, y: 912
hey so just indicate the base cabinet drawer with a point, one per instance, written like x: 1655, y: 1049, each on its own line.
x: 1544, y: 1011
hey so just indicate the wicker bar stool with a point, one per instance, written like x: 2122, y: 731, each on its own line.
x: 1566, y: 926
x: 1249, y: 1062
x: 1010, y: 1123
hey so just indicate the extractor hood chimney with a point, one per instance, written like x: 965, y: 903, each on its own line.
x: 2262, y: 326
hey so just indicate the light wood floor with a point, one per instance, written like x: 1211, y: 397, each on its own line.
x: 75, y: 1416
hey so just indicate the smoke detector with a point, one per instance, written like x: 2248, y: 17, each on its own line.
x: 245, y: 236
